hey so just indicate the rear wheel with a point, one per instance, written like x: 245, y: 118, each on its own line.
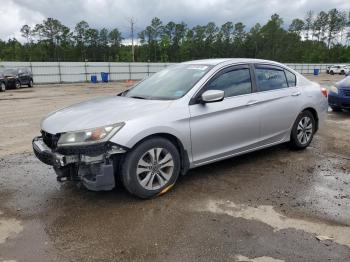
x: 303, y: 130
x: 30, y: 84
x: 2, y: 87
x: 331, y: 72
x: 342, y: 72
x: 151, y: 168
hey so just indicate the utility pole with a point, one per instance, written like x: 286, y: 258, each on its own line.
x: 132, y: 23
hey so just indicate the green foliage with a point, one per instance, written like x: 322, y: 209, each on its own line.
x: 319, y: 38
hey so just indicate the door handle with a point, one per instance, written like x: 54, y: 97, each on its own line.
x: 252, y: 102
x: 297, y: 93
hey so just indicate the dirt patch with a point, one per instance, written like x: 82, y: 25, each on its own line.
x: 272, y: 205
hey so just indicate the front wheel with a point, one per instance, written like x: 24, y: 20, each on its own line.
x: 151, y: 168
x: 336, y: 109
x: 303, y: 130
x: 2, y: 87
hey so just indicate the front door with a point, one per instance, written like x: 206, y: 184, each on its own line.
x: 224, y: 128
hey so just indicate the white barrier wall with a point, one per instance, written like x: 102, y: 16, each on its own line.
x: 65, y: 72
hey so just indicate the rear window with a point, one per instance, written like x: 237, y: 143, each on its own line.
x: 270, y: 79
x: 291, y: 78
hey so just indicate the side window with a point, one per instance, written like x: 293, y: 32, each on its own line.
x: 233, y: 83
x: 270, y: 79
x: 291, y: 78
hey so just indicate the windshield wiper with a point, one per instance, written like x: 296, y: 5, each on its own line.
x: 138, y: 97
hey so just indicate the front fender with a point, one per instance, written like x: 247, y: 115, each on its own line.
x: 131, y: 134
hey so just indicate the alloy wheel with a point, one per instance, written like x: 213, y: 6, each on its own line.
x: 304, y: 130
x: 155, y: 168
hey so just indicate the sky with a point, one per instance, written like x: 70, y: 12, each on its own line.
x: 116, y: 13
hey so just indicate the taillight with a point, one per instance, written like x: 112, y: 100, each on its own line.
x: 324, y: 91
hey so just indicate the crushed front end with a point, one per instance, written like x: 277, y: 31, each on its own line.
x: 95, y: 165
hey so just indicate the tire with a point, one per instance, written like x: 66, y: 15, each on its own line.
x: 302, y: 133
x: 18, y: 84
x: 336, y: 109
x: 342, y: 72
x: 144, y: 179
x: 331, y: 72
x: 31, y: 83
x: 2, y: 87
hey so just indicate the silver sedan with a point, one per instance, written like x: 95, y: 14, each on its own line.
x: 182, y: 117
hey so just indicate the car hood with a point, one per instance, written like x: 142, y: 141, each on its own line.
x: 100, y: 112
x: 344, y: 84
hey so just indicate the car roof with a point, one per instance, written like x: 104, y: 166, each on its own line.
x: 216, y: 61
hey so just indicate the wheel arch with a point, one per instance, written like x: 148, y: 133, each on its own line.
x: 314, y: 114
x: 184, y: 156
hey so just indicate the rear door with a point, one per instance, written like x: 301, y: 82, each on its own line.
x: 224, y: 128
x: 279, y: 96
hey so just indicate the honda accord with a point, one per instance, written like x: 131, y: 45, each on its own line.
x: 187, y: 115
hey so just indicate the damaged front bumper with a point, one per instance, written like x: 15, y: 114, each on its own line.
x: 94, y: 168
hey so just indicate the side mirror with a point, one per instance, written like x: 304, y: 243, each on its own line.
x: 211, y: 96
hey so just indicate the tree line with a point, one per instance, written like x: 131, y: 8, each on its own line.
x: 317, y: 38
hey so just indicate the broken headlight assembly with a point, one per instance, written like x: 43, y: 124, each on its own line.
x: 89, y: 136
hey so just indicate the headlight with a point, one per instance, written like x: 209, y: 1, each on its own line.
x: 89, y: 136
x: 334, y: 89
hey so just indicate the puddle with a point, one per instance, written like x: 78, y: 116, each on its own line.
x: 267, y: 215
x: 8, y: 228
x: 257, y: 259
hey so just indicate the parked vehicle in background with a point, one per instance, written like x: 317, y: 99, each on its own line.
x: 328, y: 67
x: 339, y: 95
x: 18, y: 77
x: 337, y: 69
x: 347, y: 70
x: 3, y: 82
x: 187, y: 115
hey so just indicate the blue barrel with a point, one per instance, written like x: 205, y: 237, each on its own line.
x: 104, y: 77
x: 94, y: 79
x: 316, y: 72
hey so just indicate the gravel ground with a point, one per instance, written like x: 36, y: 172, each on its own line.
x: 271, y: 205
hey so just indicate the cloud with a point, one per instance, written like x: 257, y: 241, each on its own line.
x: 115, y: 13
x: 14, y: 16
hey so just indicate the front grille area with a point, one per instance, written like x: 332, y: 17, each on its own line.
x: 49, y: 139
x: 91, y: 150
x: 346, y: 92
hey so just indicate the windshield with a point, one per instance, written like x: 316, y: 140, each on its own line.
x: 9, y: 72
x: 171, y: 83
